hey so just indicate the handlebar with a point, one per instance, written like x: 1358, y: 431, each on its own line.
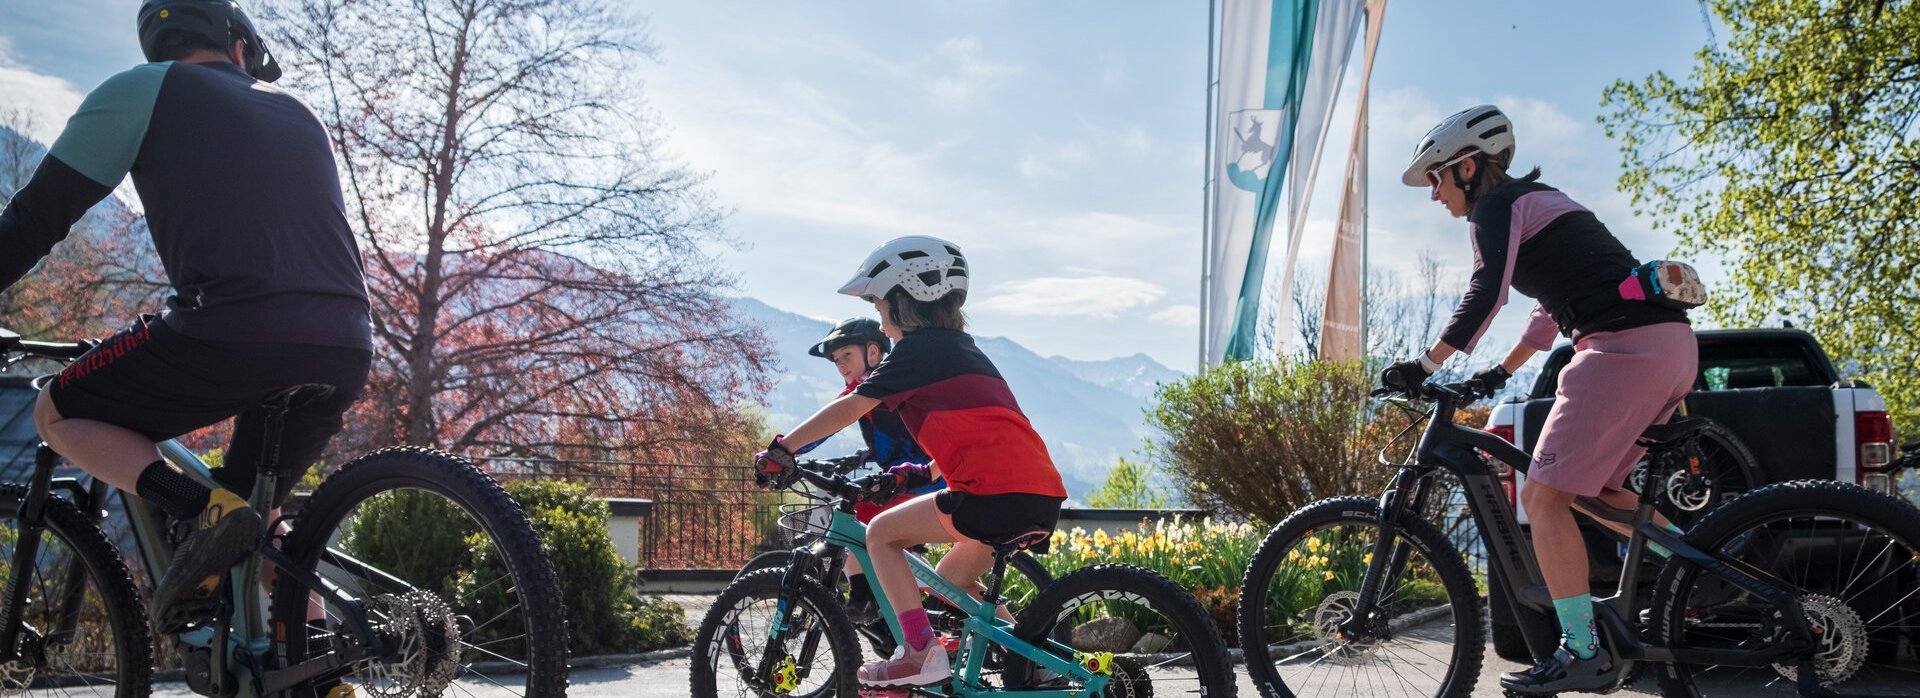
x: 11, y: 344
x: 826, y: 475
x: 1434, y: 392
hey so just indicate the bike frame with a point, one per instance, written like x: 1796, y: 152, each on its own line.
x: 981, y: 628
x: 1447, y: 446
x: 246, y: 638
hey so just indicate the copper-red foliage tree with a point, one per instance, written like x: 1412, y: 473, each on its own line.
x: 538, y: 278
x: 96, y: 280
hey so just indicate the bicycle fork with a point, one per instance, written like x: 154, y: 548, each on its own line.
x: 1389, y: 556
x: 32, y: 519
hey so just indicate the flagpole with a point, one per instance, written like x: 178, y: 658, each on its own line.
x: 1366, y: 194
x: 1206, y: 194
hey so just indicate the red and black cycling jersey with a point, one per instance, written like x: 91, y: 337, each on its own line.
x: 1533, y: 238
x: 961, y: 411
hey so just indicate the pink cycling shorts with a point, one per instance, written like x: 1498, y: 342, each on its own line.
x: 1617, y: 385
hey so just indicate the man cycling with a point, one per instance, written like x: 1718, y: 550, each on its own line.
x: 244, y: 205
x: 856, y: 346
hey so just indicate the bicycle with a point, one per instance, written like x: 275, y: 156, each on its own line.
x: 349, y: 600
x: 1794, y: 587
x: 808, y: 524
x: 763, y: 635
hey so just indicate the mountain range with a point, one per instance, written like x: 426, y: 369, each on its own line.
x: 1090, y: 413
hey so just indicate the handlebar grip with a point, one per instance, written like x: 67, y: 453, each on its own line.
x: 56, y: 350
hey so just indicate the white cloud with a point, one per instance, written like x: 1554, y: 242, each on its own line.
x: 1097, y: 296
x: 43, y: 102
x: 1178, y: 315
x: 973, y: 73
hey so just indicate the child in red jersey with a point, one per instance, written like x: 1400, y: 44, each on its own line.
x: 1000, y: 480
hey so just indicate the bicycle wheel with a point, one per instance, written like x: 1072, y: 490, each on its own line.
x: 1163, y: 642
x: 83, y: 631
x: 732, y: 641
x: 1304, y: 582
x: 1848, y: 553
x: 441, y: 558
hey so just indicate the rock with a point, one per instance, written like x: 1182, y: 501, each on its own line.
x: 1105, y: 635
x: 1152, y: 643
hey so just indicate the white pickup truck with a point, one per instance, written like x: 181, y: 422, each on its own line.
x: 1780, y: 411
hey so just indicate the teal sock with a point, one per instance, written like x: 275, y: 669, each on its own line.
x: 1661, y: 551
x: 1576, y: 625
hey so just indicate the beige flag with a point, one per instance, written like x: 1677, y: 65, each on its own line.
x: 1342, y: 333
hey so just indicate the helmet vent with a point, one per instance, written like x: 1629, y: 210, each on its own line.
x: 930, y: 278
x: 912, y: 254
x: 1497, y: 130
x: 956, y: 271
x: 877, y: 268
x: 952, y: 251
x: 1475, y: 121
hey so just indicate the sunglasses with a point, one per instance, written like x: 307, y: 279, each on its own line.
x: 1433, y: 175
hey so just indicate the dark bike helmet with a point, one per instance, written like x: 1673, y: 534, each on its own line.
x: 856, y: 330
x: 218, y: 22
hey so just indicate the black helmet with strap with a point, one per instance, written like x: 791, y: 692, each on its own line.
x: 856, y: 330
x: 217, y: 22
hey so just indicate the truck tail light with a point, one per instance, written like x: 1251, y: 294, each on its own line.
x: 1873, y: 437
x: 1501, y: 470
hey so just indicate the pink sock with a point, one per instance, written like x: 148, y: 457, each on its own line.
x: 914, y: 625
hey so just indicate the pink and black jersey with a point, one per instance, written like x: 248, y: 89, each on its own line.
x: 1531, y: 237
x: 957, y: 406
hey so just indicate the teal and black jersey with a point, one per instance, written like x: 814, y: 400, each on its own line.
x: 242, y: 198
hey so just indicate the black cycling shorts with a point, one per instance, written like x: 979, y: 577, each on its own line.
x: 154, y: 380
x: 987, y: 516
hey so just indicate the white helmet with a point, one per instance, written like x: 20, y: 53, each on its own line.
x: 926, y: 267
x: 1483, y: 128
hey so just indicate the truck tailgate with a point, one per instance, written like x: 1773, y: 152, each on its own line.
x: 1789, y: 429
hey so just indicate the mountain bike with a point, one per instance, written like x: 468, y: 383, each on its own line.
x: 407, y: 572
x: 1105, y: 630
x: 809, y: 523
x: 1799, y: 587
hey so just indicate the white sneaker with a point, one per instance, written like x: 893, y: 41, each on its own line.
x: 908, y: 667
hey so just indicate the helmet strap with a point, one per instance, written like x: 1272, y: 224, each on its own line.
x: 1465, y: 187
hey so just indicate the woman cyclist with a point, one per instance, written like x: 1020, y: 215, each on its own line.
x: 1633, y: 361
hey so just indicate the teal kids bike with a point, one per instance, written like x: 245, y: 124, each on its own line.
x: 1105, y: 630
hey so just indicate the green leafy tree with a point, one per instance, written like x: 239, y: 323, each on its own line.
x: 1128, y: 486
x: 1793, y: 151
x: 1262, y: 438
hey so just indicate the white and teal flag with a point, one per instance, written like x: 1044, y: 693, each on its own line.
x: 1267, y: 79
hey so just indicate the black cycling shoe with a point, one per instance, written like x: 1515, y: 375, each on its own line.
x: 223, y: 534
x: 1564, y: 672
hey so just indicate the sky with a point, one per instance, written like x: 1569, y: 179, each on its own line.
x: 1061, y: 144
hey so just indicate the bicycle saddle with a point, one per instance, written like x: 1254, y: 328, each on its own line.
x: 1008, y: 544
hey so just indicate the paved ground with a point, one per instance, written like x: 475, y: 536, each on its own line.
x: 667, y: 678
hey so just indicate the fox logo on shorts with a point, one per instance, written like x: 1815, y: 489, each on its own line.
x: 1547, y: 458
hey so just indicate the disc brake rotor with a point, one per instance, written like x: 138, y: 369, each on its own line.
x: 1333, y: 610
x: 1840, y: 640
x: 1688, y: 493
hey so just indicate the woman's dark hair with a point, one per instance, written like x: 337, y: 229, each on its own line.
x: 911, y: 314
x: 1489, y: 172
